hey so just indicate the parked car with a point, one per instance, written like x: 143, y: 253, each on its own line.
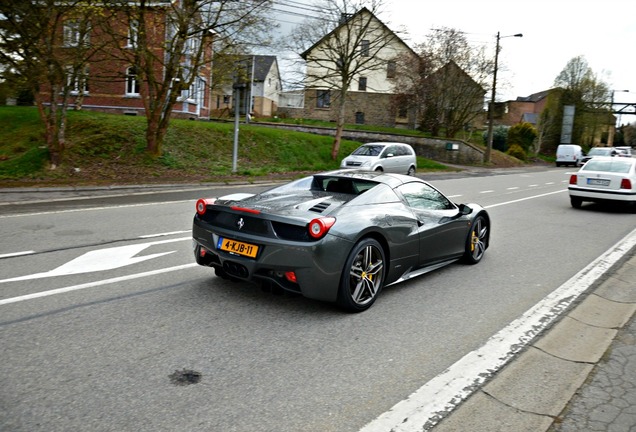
x: 382, y: 156
x: 599, y: 151
x: 569, y: 154
x: 604, y: 178
x: 338, y: 236
x: 625, y: 151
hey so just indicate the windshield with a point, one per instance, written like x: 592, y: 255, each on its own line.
x: 368, y: 150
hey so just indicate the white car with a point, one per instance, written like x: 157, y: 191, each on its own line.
x: 382, y: 156
x: 604, y: 178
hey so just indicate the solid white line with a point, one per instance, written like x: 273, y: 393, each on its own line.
x: 147, y: 236
x: 92, y: 209
x: 14, y: 254
x: 428, y: 405
x: 524, y: 199
x: 94, y: 284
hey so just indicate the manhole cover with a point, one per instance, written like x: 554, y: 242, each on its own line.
x: 185, y: 377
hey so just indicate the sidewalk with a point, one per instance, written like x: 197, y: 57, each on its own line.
x: 579, y: 376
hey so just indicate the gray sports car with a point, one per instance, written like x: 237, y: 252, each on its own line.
x: 338, y: 236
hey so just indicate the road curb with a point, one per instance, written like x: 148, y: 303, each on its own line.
x: 531, y: 393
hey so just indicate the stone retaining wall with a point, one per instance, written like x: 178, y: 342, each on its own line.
x: 443, y: 150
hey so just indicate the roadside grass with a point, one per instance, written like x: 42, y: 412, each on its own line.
x: 107, y: 148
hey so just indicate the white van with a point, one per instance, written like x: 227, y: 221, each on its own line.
x: 569, y: 154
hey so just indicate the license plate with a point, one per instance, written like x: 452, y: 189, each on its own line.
x: 237, y: 247
x: 598, y: 182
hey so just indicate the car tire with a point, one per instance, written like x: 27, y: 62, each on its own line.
x: 477, y: 240
x: 576, y: 202
x: 558, y: 164
x: 362, y: 276
x: 379, y: 169
x: 411, y: 171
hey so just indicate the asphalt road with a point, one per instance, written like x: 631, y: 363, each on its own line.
x: 107, y: 324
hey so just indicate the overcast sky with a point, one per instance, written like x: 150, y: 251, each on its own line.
x: 554, y: 31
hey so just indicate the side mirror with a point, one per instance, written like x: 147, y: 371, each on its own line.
x: 464, y: 210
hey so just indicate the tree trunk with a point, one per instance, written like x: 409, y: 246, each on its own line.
x: 52, y: 125
x: 339, y: 128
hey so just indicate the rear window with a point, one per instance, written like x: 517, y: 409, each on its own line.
x: 614, y: 165
x: 346, y: 185
x: 600, y: 152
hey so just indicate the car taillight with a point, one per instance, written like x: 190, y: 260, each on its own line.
x: 291, y: 276
x: 320, y: 226
x: 202, y: 205
x: 626, y: 184
x: 573, y: 179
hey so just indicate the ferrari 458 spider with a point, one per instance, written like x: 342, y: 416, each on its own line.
x: 338, y: 236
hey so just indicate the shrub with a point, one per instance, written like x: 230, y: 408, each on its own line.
x: 523, y: 134
x: 517, y: 151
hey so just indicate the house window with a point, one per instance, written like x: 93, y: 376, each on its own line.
x: 359, y: 117
x: 133, y: 34
x: 323, y: 98
x: 77, y: 82
x: 132, y: 83
x: 71, y: 33
x: 364, y: 48
x: 391, y: 68
x: 191, y: 46
x: 362, y: 84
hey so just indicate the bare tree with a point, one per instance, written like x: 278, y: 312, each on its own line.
x: 169, y: 59
x: 583, y: 89
x: 344, y: 43
x: 47, y: 44
x: 449, y: 90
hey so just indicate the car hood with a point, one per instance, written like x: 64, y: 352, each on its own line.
x: 296, y: 204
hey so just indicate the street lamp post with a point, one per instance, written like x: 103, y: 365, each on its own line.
x: 612, y: 129
x: 491, y: 105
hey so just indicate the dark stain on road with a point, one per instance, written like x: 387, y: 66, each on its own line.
x: 185, y: 377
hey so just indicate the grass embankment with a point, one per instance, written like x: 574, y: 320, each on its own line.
x: 111, y: 149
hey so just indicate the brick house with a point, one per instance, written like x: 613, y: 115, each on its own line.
x: 523, y: 109
x: 370, y: 98
x: 110, y: 82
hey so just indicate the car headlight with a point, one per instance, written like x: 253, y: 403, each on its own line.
x: 365, y: 163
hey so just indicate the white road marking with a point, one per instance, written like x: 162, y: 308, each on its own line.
x: 101, y: 260
x: 92, y: 209
x: 163, y: 234
x: 513, y: 188
x: 524, y: 199
x: 486, y: 191
x: 95, y: 284
x: 428, y: 405
x: 15, y: 254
